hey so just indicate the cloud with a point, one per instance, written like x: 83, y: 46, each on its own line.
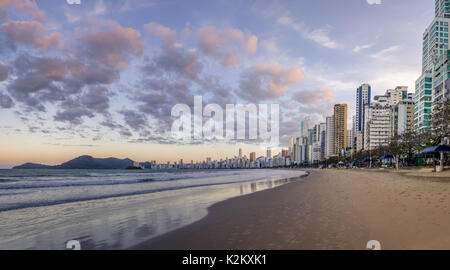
x: 262, y: 82
x: 5, y: 101
x: 385, y: 53
x: 166, y: 34
x: 73, y: 113
x: 175, y: 60
x: 312, y: 97
x: 3, y: 72
x: 211, y: 40
x: 231, y: 58
x: 99, y: 8
x: 26, y: 7
x: 358, y: 48
x: 96, y: 99
x: 320, y: 35
x: 90, y: 103
x: 224, y: 43
x: 29, y: 34
x: 113, y: 47
x: 252, y: 44
x: 137, y: 121
x: 269, y: 46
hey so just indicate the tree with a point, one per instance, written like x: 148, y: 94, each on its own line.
x: 440, y: 122
x: 396, y: 148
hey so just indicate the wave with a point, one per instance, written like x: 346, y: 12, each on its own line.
x: 105, y: 179
x: 74, y: 184
x: 132, y: 193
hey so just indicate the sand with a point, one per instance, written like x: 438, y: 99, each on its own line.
x: 328, y: 210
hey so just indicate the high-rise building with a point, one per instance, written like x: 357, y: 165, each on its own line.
x: 441, y: 83
x: 340, y: 127
x: 432, y: 86
x: 240, y: 152
x: 269, y: 153
x: 291, y: 146
x: 354, y: 135
x: 398, y: 94
x: 329, y: 140
x: 304, y: 126
x: 252, y: 157
x: 323, y: 137
x: 377, y: 124
x: 442, y: 8
x: 363, y: 94
x: 350, y: 138
x: 402, y: 117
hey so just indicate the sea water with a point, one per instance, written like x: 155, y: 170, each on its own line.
x: 115, y: 209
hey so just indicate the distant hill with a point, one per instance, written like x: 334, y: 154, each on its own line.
x: 84, y: 162
x: 33, y: 166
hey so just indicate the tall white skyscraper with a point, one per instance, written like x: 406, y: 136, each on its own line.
x: 434, y: 83
x: 329, y: 140
x: 362, y: 97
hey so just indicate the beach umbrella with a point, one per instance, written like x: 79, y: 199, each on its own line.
x: 366, y: 160
x: 387, y: 157
x: 355, y: 162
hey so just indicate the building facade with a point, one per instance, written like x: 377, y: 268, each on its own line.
x: 363, y: 94
x: 340, y: 127
x: 402, y: 117
x: 435, y: 43
x: 329, y: 140
x: 377, y: 125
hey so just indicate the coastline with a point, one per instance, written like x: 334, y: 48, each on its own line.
x: 332, y: 209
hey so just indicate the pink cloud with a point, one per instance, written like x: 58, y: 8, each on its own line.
x: 262, y: 82
x: 294, y: 75
x: 29, y: 33
x: 231, y: 58
x: 211, y: 41
x: 166, y: 34
x: 315, y: 96
x: 252, y: 44
x: 218, y: 43
x: 113, y: 47
x: 24, y: 6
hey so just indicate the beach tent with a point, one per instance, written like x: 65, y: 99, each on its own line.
x: 355, y: 162
x: 387, y: 157
x: 366, y: 160
x: 435, y: 149
x: 438, y: 149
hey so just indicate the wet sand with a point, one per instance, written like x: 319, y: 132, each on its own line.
x: 330, y: 209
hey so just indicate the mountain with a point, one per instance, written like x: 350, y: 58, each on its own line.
x: 33, y: 166
x: 88, y: 162
x: 84, y: 162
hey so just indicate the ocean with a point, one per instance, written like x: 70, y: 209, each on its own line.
x: 115, y: 209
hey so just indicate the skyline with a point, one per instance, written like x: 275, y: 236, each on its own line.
x: 107, y: 89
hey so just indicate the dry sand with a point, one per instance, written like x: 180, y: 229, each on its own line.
x: 330, y: 209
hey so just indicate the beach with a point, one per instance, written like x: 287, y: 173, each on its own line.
x: 328, y: 210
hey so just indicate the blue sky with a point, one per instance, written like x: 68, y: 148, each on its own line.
x: 101, y: 77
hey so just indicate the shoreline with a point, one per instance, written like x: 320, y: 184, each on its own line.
x: 290, y: 181
x: 331, y: 209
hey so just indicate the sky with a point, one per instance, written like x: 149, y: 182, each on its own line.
x: 100, y: 77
